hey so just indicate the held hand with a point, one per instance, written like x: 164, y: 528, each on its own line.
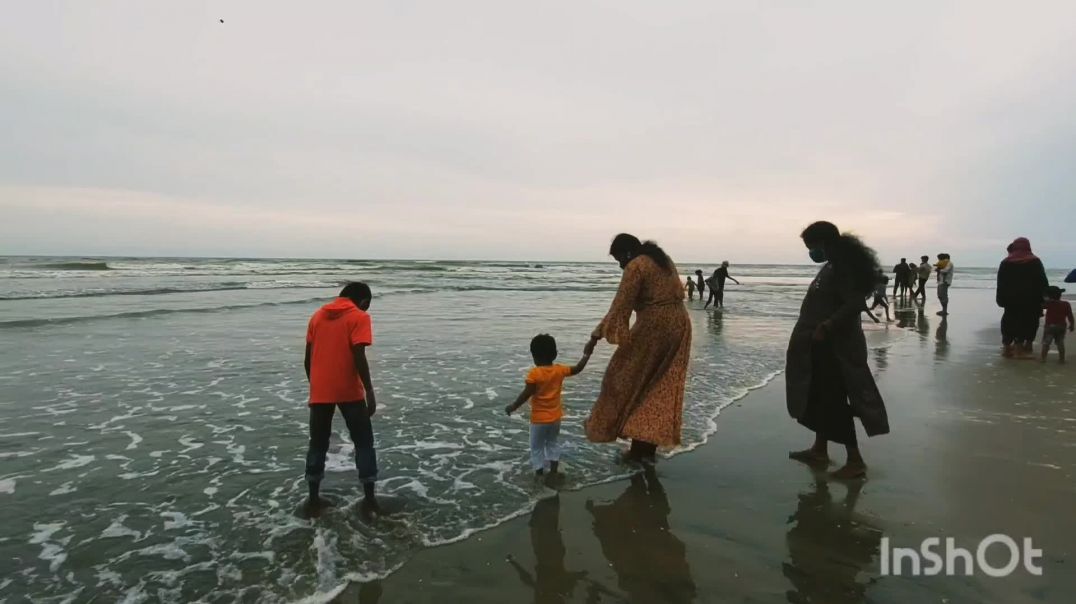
x: 589, y: 348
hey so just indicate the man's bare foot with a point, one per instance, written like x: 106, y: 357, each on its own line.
x: 370, y: 507
x: 313, y: 507
x: 850, y: 471
x: 810, y: 457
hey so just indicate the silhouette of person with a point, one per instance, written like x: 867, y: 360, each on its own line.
x: 550, y: 581
x: 828, y: 546
x: 649, y: 561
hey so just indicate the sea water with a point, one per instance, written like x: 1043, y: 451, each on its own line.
x: 153, y: 421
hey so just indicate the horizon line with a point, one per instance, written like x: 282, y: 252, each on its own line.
x: 375, y: 259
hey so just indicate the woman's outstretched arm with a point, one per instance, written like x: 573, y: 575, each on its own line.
x: 615, y: 326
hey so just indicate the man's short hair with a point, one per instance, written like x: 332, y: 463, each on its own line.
x: 356, y: 291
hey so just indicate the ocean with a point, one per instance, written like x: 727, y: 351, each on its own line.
x: 153, y: 421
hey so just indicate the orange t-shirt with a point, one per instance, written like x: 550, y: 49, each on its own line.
x: 546, y: 405
x: 332, y: 331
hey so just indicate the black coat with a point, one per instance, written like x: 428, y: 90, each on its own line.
x: 1021, y: 284
x: 830, y: 297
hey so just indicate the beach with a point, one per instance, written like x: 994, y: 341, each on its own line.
x: 153, y: 422
x: 979, y: 445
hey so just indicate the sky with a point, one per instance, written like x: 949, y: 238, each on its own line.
x: 536, y: 130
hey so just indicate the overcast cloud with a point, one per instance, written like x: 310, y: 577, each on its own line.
x: 536, y: 130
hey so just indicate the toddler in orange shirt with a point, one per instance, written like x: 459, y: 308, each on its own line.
x: 543, y: 390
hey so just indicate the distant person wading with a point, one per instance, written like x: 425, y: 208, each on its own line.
x: 717, y: 286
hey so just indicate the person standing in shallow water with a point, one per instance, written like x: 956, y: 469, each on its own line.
x: 923, y: 271
x: 900, y: 278
x: 717, y: 285
x: 642, y: 393
x: 827, y: 380
x: 339, y: 375
x: 945, y: 269
x: 700, y: 283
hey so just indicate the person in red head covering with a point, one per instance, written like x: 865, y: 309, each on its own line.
x: 1021, y: 283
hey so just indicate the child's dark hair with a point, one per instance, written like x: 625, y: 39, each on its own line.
x: 1054, y: 292
x: 544, y: 348
x: 851, y: 257
x: 356, y: 291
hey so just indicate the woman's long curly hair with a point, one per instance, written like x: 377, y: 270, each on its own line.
x: 630, y: 245
x: 851, y: 258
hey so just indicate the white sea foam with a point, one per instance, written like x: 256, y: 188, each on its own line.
x: 7, y: 486
x: 76, y: 461
x: 117, y: 529
x: 52, y: 551
x: 63, y: 489
x: 135, y: 439
x: 175, y: 520
x: 168, y: 551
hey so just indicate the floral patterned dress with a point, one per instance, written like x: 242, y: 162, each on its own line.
x: 642, y: 395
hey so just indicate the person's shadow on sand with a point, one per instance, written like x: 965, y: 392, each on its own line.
x: 551, y: 582
x: 649, y: 561
x: 828, y: 547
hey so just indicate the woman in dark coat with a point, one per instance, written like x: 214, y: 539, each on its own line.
x: 1021, y: 283
x: 827, y: 379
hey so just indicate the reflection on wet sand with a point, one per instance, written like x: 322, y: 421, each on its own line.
x: 906, y: 317
x: 649, y: 561
x: 368, y: 593
x: 714, y: 322
x: 923, y: 322
x: 941, y: 346
x: 828, y: 547
x: 881, y: 358
x: 551, y: 581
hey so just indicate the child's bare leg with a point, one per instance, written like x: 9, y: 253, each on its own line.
x: 1061, y: 351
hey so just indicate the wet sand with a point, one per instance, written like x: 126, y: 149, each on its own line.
x: 979, y: 445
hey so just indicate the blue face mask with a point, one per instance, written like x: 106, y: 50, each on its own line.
x: 817, y: 254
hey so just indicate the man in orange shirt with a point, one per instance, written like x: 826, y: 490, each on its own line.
x: 339, y: 375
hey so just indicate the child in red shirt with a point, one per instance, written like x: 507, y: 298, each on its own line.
x: 543, y: 390
x: 1058, y: 312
